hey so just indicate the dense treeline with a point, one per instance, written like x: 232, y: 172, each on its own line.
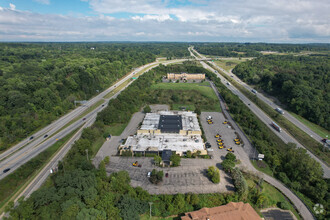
x: 253, y: 49
x: 301, y: 83
x: 292, y: 165
x: 40, y: 81
x: 79, y: 191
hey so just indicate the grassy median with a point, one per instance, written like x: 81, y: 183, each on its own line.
x: 16, y: 180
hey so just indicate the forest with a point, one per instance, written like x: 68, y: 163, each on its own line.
x: 291, y: 165
x: 301, y: 83
x: 254, y: 49
x: 39, y: 82
x: 79, y: 190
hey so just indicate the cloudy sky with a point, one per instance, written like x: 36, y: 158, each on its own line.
x: 294, y: 21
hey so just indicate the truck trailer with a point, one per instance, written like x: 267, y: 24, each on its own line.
x: 277, y: 128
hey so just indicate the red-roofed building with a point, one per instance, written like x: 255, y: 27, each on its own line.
x: 231, y: 211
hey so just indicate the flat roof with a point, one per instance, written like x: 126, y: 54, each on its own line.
x: 189, y: 121
x: 173, y: 142
x: 170, y: 123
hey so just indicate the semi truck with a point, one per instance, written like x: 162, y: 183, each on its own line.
x: 277, y: 128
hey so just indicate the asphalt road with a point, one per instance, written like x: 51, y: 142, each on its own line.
x: 21, y: 153
x: 270, y: 102
x: 246, y: 164
x: 267, y: 120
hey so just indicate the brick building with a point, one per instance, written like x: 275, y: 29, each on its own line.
x: 231, y: 211
x: 185, y: 76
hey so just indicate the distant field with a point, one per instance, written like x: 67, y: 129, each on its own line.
x: 189, y: 95
x: 228, y: 64
x: 203, y: 88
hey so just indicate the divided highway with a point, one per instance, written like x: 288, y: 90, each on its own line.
x: 269, y: 102
x: 21, y: 153
x: 264, y: 118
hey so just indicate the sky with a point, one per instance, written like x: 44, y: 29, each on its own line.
x: 273, y: 21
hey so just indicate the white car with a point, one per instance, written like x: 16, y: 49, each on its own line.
x: 149, y: 174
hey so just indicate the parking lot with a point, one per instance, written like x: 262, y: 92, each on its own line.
x: 189, y: 177
x: 225, y: 130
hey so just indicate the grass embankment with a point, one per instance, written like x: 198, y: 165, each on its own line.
x: 121, y: 86
x: 24, y: 174
x: 314, y: 127
x: 303, y: 138
x: 204, y: 90
x: 262, y: 167
x: 273, y: 196
x: 228, y: 64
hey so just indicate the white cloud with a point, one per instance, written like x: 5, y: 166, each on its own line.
x: 45, y: 2
x: 12, y: 6
x: 159, y: 18
x: 241, y: 20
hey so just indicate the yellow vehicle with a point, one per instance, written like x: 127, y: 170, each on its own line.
x: 230, y: 149
x: 220, y: 147
x: 135, y: 164
x: 236, y: 139
x: 210, y: 122
x: 219, y: 140
x: 217, y: 136
x: 220, y: 143
x: 237, y: 142
x: 225, y: 122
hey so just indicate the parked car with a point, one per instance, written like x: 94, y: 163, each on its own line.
x: 31, y: 137
x: 46, y: 136
x: 166, y: 175
x: 149, y: 174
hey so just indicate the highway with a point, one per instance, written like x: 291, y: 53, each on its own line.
x: 268, y: 101
x: 21, y: 153
x: 249, y: 152
x: 264, y: 118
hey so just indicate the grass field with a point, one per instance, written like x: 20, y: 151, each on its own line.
x: 228, y: 64
x: 265, y: 169
x: 16, y: 180
x: 116, y: 129
x: 117, y: 89
x: 190, y: 95
x: 314, y: 127
x: 187, y: 106
x: 203, y: 88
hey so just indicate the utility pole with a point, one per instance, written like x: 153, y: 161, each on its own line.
x: 150, y: 203
x: 87, y: 154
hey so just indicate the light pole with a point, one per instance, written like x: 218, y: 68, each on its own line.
x: 87, y: 154
x: 150, y: 203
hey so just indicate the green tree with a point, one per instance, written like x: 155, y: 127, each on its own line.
x: 214, y: 174
x: 176, y: 160
x: 157, y: 159
x: 147, y: 109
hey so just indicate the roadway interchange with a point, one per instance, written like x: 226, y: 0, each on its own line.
x: 21, y: 153
x: 264, y: 118
x: 287, y: 115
